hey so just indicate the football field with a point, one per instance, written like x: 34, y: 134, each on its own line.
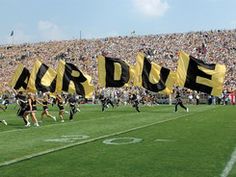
x: 121, y: 142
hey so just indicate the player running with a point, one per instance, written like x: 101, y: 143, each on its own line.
x: 105, y: 101
x: 179, y: 102
x: 73, y: 102
x: 135, y: 102
x: 21, y: 100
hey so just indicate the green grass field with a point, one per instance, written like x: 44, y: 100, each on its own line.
x: 199, y: 143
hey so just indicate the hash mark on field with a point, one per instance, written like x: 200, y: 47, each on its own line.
x: 164, y: 140
x: 6, y: 163
x: 229, y: 164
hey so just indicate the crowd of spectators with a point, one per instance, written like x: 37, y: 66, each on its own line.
x: 218, y: 46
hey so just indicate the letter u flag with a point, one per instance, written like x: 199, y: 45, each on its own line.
x: 42, y: 78
x: 152, y: 76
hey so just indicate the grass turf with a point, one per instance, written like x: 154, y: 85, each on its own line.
x: 198, y: 143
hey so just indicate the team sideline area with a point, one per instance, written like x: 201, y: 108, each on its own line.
x: 122, y: 142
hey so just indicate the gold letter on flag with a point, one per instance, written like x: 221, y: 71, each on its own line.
x: 20, y: 78
x: 197, y: 75
x: 42, y: 78
x: 152, y: 76
x: 113, y: 72
x: 71, y: 79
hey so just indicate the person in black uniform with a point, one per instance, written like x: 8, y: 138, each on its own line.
x: 108, y: 101
x: 73, y: 102
x: 135, y: 102
x: 179, y: 102
x: 105, y: 101
x: 21, y: 100
x: 5, y: 101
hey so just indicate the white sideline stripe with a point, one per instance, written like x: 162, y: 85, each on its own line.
x: 229, y: 164
x: 85, y: 142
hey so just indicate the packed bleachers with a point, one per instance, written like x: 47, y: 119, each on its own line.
x: 217, y: 46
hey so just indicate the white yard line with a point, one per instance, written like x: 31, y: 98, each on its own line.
x: 86, y: 141
x: 229, y: 165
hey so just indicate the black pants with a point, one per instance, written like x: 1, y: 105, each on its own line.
x: 197, y: 101
x: 73, y: 110
x: 105, y: 104
x: 110, y: 102
x: 181, y: 105
x: 135, y: 105
x: 21, y: 112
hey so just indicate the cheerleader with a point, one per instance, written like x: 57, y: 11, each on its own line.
x: 31, y: 110
x: 45, y: 103
x: 59, y: 101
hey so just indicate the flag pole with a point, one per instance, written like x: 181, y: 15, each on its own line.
x: 13, y: 40
x: 12, y: 37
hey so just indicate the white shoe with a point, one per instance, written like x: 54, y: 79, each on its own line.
x: 62, y: 120
x: 187, y: 110
x: 3, y: 121
x: 54, y: 118
x: 78, y: 109
x: 36, y: 124
x: 28, y: 124
x: 66, y: 112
